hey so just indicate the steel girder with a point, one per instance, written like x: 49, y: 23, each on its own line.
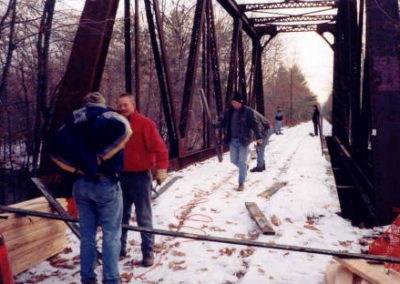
x: 232, y: 77
x: 193, y: 60
x: 203, y: 24
x: 86, y: 63
x: 259, y: 22
x: 137, y: 54
x: 213, y: 46
x: 258, y: 76
x: 83, y: 75
x: 233, y: 9
x: 383, y: 61
x: 291, y: 4
x: 128, y: 48
x: 164, y: 81
x: 274, y: 29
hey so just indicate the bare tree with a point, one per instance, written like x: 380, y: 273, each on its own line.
x: 42, y: 108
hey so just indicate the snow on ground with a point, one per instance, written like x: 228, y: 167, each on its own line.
x: 204, y: 201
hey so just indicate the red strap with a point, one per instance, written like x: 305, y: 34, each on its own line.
x: 6, y: 275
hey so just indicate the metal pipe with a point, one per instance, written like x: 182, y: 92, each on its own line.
x: 137, y: 53
x: 128, y: 46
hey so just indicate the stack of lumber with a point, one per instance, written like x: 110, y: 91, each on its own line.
x: 31, y: 240
x: 359, y: 271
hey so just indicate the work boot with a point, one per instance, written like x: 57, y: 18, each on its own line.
x: 148, y: 259
x: 92, y: 281
x: 258, y: 169
x: 122, y: 253
x: 240, y: 187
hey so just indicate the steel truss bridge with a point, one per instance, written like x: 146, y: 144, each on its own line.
x: 365, y: 143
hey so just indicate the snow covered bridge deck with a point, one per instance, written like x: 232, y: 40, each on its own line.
x: 204, y: 201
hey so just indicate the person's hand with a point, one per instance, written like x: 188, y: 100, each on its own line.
x: 259, y: 142
x: 161, y: 176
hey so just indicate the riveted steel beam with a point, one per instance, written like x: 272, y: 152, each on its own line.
x: 233, y: 9
x: 291, y: 4
x: 162, y: 68
x: 257, y: 22
x: 193, y: 60
x: 87, y: 59
x: 273, y: 29
x: 383, y: 61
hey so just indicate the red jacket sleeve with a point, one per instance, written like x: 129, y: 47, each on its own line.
x: 155, y: 145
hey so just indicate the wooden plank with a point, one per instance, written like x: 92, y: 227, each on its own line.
x: 373, y: 273
x: 36, y: 204
x: 338, y: 274
x: 30, y: 203
x: 272, y: 190
x: 259, y: 218
x: 26, y: 227
x: 36, y: 246
x: 33, y: 258
x: 19, y: 224
x: 29, y: 239
x: 15, y: 222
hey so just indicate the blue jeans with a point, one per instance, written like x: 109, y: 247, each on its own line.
x: 99, y: 204
x: 136, y: 188
x: 260, y: 149
x: 278, y: 126
x: 239, y: 153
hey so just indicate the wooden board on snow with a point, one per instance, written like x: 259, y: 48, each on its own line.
x: 272, y: 190
x: 338, y: 274
x: 373, y: 273
x: 260, y: 219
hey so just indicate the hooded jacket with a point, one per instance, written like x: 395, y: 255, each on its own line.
x: 90, y: 142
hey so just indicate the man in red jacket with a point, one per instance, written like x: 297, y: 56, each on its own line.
x: 144, y: 150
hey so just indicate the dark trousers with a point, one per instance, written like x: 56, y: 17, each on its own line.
x: 136, y: 190
x: 315, y: 129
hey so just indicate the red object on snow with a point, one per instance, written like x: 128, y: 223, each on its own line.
x: 388, y: 244
x: 71, y: 207
x: 6, y: 275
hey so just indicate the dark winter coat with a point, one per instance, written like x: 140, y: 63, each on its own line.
x: 279, y: 115
x: 248, y: 125
x: 90, y: 142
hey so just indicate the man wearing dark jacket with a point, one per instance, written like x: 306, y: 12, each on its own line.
x: 315, y: 119
x: 144, y: 150
x: 90, y: 144
x: 239, y: 122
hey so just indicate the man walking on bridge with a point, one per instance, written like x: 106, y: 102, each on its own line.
x: 144, y: 150
x: 238, y: 123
